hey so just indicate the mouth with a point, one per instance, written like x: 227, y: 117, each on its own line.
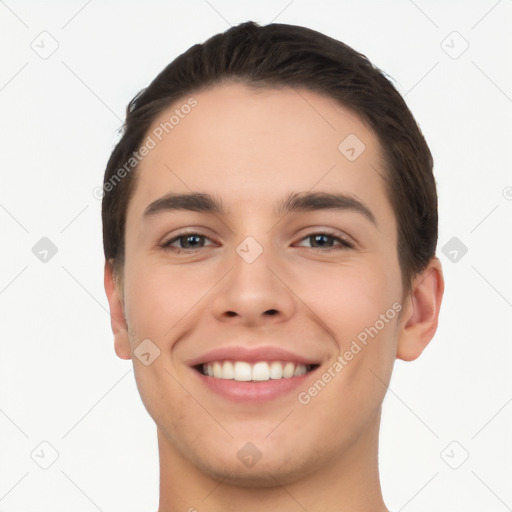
x: 260, y: 371
x: 253, y: 375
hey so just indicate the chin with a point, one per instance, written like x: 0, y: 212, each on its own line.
x: 266, y: 472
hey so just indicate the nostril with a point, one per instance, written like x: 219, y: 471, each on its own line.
x: 271, y: 312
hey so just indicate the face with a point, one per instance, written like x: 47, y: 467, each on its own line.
x: 261, y: 265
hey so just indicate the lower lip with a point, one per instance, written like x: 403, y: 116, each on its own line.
x: 253, y: 391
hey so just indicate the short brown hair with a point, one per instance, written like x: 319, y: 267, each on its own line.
x: 278, y: 55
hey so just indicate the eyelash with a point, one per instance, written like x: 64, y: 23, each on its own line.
x: 344, y: 244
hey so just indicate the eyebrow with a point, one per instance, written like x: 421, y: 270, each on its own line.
x: 306, y: 201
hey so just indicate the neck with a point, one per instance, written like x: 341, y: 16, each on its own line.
x: 347, y: 481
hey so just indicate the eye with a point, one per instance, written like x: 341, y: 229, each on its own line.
x: 191, y: 242
x: 326, y: 241
x: 186, y: 242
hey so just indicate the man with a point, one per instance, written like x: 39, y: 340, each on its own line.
x: 270, y: 225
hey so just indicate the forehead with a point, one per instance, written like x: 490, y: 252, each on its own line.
x: 250, y: 147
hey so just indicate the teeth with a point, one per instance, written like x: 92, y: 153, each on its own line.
x: 242, y: 371
x: 299, y: 370
x: 276, y: 370
x: 288, y: 370
x: 261, y: 371
x: 217, y: 370
x: 228, y: 370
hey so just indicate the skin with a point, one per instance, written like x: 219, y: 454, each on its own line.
x: 252, y: 149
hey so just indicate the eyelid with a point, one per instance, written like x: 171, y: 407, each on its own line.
x: 166, y: 244
x: 324, y: 230
x: 346, y: 242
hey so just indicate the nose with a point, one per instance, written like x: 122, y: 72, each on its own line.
x: 254, y: 293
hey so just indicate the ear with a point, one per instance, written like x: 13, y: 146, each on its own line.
x: 420, y: 315
x: 117, y: 318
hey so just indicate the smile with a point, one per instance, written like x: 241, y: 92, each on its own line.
x: 243, y: 371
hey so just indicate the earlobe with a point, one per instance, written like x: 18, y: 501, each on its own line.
x: 421, y: 312
x: 117, y: 317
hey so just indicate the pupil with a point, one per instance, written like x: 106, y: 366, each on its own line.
x: 189, y: 238
x: 321, y: 238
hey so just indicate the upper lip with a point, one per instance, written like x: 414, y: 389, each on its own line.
x: 251, y: 355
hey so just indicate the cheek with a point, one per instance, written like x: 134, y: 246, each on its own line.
x: 348, y: 298
x: 359, y: 307
x: 158, y: 297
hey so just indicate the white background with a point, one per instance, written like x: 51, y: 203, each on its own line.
x: 60, y: 381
